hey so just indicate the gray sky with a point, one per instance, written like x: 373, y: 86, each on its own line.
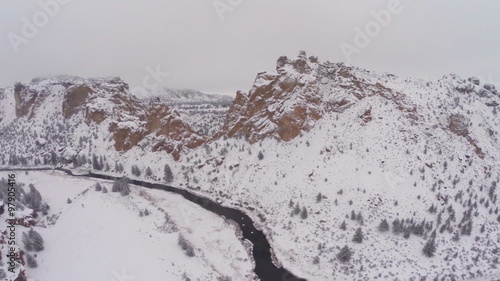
x: 221, y: 51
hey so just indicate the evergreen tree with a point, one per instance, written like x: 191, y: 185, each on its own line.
x: 53, y: 158
x: 188, y: 249
x: 169, y: 177
x: 319, y: 197
x: 359, y: 218
x: 32, y: 241
x: 429, y: 248
x: 358, y: 235
x: 261, y: 155
x: 33, y: 199
x: 31, y: 261
x: 296, y: 210
x: 343, y: 226
x: 3, y: 275
x: 304, y: 214
x: 149, y: 173
x: 121, y: 185
x: 27, y: 242
x: 98, y: 187
x: 95, y: 163
x: 383, y: 226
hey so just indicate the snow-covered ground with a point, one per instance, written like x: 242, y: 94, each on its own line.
x: 391, y: 152
x: 102, y: 237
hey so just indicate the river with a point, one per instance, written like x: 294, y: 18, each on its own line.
x: 265, y: 269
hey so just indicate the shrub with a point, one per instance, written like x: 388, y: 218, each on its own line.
x: 32, y: 241
x: 260, y: 156
x: 343, y: 226
x: 304, y: 214
x: 31, y: 261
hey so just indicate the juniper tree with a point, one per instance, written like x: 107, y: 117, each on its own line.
x: 345, y: 254
x: 383, y: 226
x: 168, y: 176
x: 31, y: 261
x: 121, y: 185
x: 32, y: 241
x: 27, y: 242
x: 296, y: 210
x: 316, y: 260
x: 188, y: 249
x: 136, y: 171
x: 261, y: 155
x: 304, y: 214
x: 33, y: 199
x: 319, y: 197
x: 96, y: 165
x: 343, y: 226
x: 149, y: 172
x: 359, y: 218
x: 396, y: 226
x: 429, y: 248
x: 358, y: 236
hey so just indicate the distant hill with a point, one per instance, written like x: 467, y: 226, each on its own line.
x: 187, y: 96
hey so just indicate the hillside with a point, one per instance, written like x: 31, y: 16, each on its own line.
x: 310, y: 146
x: 112, y: 227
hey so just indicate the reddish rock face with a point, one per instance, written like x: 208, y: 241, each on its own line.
x: 74, y: 99
x: 279, y: 104
x: 25, y: 99
x: 108, y: 99
x: 284, y: 103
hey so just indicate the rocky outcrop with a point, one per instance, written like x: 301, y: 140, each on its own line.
x: 108, y: 102
x: 74, y: 99
x: 24, y: 100
x: 284, y: 103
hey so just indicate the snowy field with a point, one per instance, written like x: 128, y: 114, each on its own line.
x: 102, y: 237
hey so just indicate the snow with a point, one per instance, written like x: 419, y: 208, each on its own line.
x: 98, y: 236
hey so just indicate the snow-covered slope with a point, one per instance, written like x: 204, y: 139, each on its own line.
x: 329, y: 139
x: 100, y: 236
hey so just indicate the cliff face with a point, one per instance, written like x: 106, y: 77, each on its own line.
x: 106, y: 103
x: 284, y: 103
x: 290, y: 100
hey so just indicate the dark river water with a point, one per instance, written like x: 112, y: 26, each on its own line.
x: 265, y: 269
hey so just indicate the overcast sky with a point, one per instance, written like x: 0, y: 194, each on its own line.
x: 219, y: 46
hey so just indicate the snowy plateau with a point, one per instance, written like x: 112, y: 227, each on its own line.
x: 349, y: 173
